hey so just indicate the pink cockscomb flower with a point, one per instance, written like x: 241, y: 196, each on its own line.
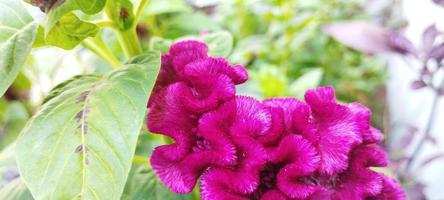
x: 190, y: 83
x: 315, y: 150
x: 244, y: 149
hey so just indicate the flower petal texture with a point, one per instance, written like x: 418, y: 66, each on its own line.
x: 245, y: 149
x: 190, y: 84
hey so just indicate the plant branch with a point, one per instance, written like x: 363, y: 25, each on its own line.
x: 105, y: 23
x: 140, y: 160
x: 429, y: 126
x: 97, y: 46
x: 139, y: 10
x: 127, y: 36
x: 130, y: 42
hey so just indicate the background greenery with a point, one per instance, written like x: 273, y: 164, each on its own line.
x: 280, y: 42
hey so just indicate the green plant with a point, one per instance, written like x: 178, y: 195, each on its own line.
x: 86, y: 139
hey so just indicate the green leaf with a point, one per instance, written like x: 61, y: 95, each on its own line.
x: 188, y: 24
x: 308, y: 80
x: 63, y: 28
x: 219, y: 43
x: 68, y: 84
x: 21, y: 82
x: 272, y: 81
x: 62, y: 7
x: 160, y: 44
x: 143, y: 184
x: 15, y: 190
x: 166, y: 6
x: 15, y: 118
x: 12, y: 186
x: 121, y: 12
x: 70, y: 31
x: 7, y: 166
x: 17, y: 33
x: 81, y: 143
x: 40, y: 38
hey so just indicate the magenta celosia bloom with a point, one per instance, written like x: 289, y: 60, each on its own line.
x: 189, y: 84
x: 278, y: 149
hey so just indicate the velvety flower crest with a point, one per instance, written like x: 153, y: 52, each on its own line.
x: 245, y: 149
x: 190, y: 83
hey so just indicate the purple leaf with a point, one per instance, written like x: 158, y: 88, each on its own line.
x: 437, y: 53
x: 432, y: 159
x: 428, y: 37
x: 359, y: 35
x: 418, y: 84
x: 400, y: 44
x: 369, y: 38
x: 439, y: 2
x: 425, y: 71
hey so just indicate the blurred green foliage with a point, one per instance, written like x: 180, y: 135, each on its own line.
x: 280, y: 42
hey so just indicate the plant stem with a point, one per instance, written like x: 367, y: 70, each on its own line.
x: 429, y: 126
x: 139, y: 9
x: 195, y: 194
x: 105, y: 23
x: 97, y: 46
x: 142, y: 160
x: 130, y: 42
x: 127, y: 37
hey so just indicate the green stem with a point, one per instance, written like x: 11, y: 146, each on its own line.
x: 127, y: 36
x: 139, y: 10
x: 140, y: 160
x: 105, y: 23
x: 130, y: 42
x: 195, y: 194
x: 97, y: 46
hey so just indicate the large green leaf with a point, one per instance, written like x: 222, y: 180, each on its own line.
x: 17, y: 33
x: 81, y: 143
x: 15, y: 190
x: 143, y: 184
